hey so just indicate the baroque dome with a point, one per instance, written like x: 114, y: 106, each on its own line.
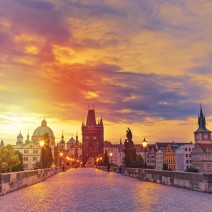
x: 20, y: 135
x: 40, y: 131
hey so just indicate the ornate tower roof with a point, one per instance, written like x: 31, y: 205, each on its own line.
x: 202, y: 123
x: 91, y: 119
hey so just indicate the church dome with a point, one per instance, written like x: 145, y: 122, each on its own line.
x: 20, y: 136
x: 40, y: 131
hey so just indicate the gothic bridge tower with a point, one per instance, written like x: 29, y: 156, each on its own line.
x: 202, y: 134
x: 92, y: 137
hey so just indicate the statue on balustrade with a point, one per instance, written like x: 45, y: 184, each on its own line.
x: 129, y: 150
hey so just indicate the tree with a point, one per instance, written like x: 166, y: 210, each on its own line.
x: 19, y: 167
x: 165, y: 167
x: 192, y: 169
x: 9, y: 159
x: 46, y: 152
x: 139, y: 161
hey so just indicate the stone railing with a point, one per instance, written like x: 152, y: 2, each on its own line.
x: 16, y: 180
x: 194, y: 181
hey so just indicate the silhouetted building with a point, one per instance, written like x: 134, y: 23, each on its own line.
x: 202, y: 134
x: 92, y: 137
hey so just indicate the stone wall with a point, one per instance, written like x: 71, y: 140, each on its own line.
x: 194, y: 181
x: 16, y: 180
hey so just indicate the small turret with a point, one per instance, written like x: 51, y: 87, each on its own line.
x: 19, y: 139
x: 27, y: 140
x: 2, y: 143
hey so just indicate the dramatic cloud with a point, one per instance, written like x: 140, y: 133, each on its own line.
x: 144, y: 64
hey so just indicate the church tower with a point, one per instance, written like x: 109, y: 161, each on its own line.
x: 19, y: 139
x: 92, y: 137
x: 202, y: 134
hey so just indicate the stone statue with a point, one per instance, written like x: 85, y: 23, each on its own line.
x: 129, y: 134
x: 129, y: 150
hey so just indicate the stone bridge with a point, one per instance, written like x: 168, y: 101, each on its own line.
x: 89, y: 189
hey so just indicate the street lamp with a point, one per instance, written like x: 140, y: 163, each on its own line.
x: 111, y: 154
x: 41, y: 145
x: 144, y: 143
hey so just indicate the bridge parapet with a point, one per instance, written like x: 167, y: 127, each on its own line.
x: 16, y: 180
x: 194, y: 181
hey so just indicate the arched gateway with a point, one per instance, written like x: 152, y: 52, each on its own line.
x: 90, y: 162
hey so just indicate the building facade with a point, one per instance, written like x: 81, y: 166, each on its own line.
x: 183, y: 157
x: 92, y: 138
x: 31, y: 150
x: 201, y: 156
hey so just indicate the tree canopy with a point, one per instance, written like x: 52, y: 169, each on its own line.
x: 46, y: 152
x: 10, y: 160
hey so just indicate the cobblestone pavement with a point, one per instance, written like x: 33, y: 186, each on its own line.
x: 93, y: 190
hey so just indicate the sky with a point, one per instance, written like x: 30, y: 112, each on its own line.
x: 143, y: 64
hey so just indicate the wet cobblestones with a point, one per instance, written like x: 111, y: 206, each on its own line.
x: 94, y: 190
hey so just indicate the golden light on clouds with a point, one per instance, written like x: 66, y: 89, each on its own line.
x: 91, y: 95
x: 144, y: 65
x: 31, y: 49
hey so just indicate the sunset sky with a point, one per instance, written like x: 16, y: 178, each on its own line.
x: 144, y: 64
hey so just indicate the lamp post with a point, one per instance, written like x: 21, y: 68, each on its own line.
x: 111, y: 154
x: 41, y: 145
x: 144, y: 143
x: 97, y: 161
x: 61, y: 155
x: 100, y: 161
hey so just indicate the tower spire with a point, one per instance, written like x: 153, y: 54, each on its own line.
x: 62, y: 135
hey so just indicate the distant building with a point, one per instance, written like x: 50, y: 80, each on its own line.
x: 150, y: 155
x: 31, y: 150
x: 40, y: 131
x: 183, y: 157
x: 2, y: 143
x: 92, y: 137
x: 202, y: 134
x: 74, y: 148
x: 159, y: 159
x: 169, y: 156
x: 201, y: 157
x: 117, y: 151
x: 31, y: 154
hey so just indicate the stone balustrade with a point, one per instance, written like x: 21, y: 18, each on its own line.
x: 16, y: 180
x: 194, y: 181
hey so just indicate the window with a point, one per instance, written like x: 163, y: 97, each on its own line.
x: 186, y: 161
x: 186, y: 155
x: 25, y: 166
x: 185, y: 149
x: 205, y: 136
x: 26, y: 151
x: 35, y: 151
x: 25, y: 158
x: 197, y: 137
x: 34, y: 158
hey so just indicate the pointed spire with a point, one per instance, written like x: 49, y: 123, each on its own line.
x: 101, y: 121
x: 77, y: 138
x: 202, y: 122
x: 62, y: 137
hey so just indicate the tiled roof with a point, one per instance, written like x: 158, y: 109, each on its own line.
x: 203, y: 147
